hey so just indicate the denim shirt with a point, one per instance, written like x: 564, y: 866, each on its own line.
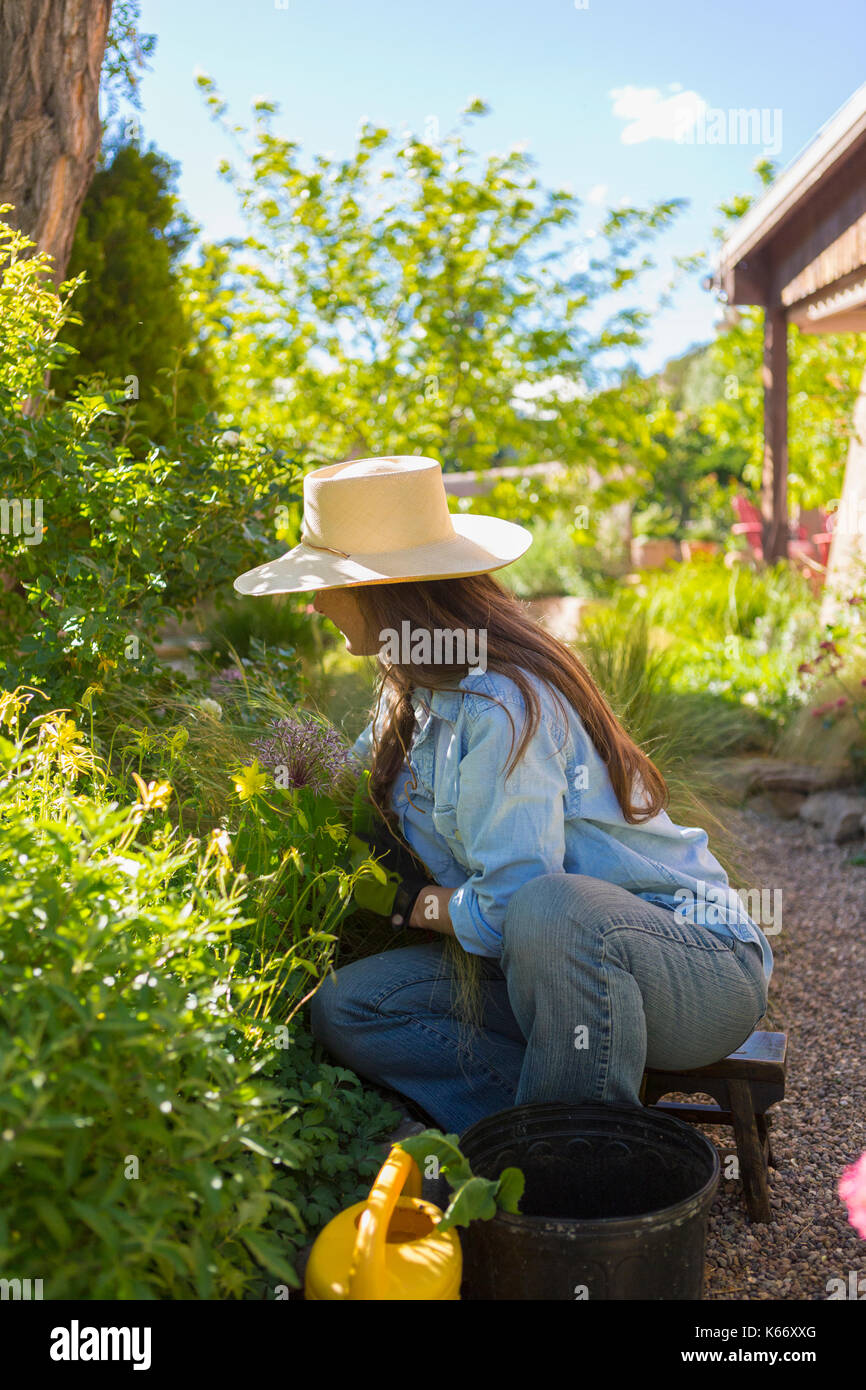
x: 556, y: 813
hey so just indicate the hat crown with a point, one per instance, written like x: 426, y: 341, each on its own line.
x: 368, y: 506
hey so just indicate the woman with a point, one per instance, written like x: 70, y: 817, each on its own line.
x: 606, y: 937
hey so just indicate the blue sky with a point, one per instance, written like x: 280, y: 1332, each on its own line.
x: 614, y: 100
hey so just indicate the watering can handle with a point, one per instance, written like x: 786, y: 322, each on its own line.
x: 398, y: 1174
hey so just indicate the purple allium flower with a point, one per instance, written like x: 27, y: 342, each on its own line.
x: 303, y: 753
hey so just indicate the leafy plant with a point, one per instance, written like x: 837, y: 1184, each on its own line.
x: 103, y: 545
x: 832, y: 725
x: 132, y: 329
x: 561, y: 560
x: 654, y: 522
x: 473, y: 1198
x: 166, y: 1130
x: 446, y: 290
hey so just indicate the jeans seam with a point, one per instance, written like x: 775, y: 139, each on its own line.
x: 604, y: 1060
x: 481, y: 1065
x: 725, y: 945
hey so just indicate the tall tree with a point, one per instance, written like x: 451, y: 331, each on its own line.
x: 135, y: 330
x: 51, y: 54
x: 418, y: 295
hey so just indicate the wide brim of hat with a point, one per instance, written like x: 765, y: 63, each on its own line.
x: 480, y: 544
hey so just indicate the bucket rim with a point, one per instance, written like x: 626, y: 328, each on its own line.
x: 674, y: 1212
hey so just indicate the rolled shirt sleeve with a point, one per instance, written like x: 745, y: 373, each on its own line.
x: 511, y: 831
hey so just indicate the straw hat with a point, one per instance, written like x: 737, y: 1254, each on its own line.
x: 376, y: 521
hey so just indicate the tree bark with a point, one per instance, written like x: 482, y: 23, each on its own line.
x: 51, y: 54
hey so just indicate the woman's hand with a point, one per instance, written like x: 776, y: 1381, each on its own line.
x: 430, y: 909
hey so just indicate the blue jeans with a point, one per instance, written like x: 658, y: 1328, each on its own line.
x: 594, y: 984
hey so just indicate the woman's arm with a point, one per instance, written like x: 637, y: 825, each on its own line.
x: 431, y: 909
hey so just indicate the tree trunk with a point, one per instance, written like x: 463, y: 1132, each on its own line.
x: 51, y: 54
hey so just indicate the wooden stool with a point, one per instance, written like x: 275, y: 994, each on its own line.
x: 745, y: 1085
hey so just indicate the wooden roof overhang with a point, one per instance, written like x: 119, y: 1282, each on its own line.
x: 802, y: 247
x: 800, y: 253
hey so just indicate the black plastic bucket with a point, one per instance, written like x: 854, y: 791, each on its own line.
x: 615, y: 1206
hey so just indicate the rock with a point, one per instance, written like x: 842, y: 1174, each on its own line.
x: 740, y: 776
x: 786, y: 804
x: 804, y: 778
x: 815, y: 809
x: 845, y: 822
x: 762, y: 805
x: 561, y: 616
x: 841, y: 815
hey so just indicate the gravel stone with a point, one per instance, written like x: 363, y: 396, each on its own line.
x: 816, y: 997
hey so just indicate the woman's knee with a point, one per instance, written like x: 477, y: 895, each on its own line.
x: 376, y: 988
x: 336, y: 1006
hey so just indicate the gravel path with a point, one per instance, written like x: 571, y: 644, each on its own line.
x: 817, y: 996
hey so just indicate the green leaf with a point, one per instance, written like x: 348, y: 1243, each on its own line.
x: 271, y: 1257
x: 510, y: 1189
x: 473, y: 1200
x: 54, y: 1219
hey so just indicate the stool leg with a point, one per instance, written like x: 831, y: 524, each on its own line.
x: 751, y: 1151
x: 763, y: 1122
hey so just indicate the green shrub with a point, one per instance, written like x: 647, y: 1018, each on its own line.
x: 643, y: 684
x: 100, y: 546
x: 830, y: 728
x: 281, y: 622
x: 561, y: 560
x: 654, y: 522
x: 682, y: 730
x: 737, y: 634
x: 165, y: 1130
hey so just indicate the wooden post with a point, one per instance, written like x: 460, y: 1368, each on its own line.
x: 774, y: 489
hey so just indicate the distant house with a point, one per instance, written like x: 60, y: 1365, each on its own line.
x: 800, y: 253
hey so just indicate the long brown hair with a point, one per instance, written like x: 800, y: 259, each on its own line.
x: 516, y: 644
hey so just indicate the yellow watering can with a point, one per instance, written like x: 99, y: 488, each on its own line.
x: 387, y: 1247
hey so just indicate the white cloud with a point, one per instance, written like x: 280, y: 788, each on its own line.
x: 535, y: 398
x: 652, y: 116
x: 597, y: 194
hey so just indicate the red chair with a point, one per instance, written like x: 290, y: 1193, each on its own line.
x: 801, y: 548
x: 750, y: 524
x: 822, y: 539
x: 809, y: 553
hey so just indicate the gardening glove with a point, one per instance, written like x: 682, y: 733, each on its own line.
x: 392, y: 891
